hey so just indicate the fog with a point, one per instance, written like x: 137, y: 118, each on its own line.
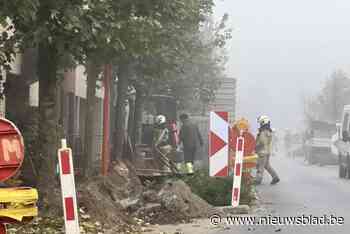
x: 282, y: 50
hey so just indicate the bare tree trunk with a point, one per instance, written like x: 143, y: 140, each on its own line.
x: 123, y: 80
x: 48, y: 123
x: 92, y: 73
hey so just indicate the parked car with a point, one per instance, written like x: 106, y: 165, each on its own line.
x: 335, y: 139
x: 343, y: 144
x: 318, y: 143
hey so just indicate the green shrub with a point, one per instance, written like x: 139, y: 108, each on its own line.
x: 217, y: 191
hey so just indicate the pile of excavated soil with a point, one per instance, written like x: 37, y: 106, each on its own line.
x: 120, y: 203
x: 122, y: 200
x: 174, y: 202
x: 101, y: 197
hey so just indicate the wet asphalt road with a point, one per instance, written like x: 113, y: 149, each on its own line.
x: 303, y: 190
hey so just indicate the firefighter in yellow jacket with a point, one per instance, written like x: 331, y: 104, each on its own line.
x: 264, y: 150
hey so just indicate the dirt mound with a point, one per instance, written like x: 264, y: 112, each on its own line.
x: 122, y: 200
x: 121, y: 203
x: 178, y: 197
x: 174, y: 202
x: 101, y: 197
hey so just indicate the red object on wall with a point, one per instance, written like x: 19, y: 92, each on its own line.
x: 11, y: 149
x: 175, y: 134
x: 106, y: 112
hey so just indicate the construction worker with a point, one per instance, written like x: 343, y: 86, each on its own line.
x: 191, y: 139
x: 161, y: 139
x: 263, y: 149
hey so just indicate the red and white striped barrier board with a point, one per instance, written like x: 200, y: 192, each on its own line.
x: 237, y: 173
x: 69, y: 198
x: 218, y: 144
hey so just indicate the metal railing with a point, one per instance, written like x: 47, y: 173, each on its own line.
x: 76, y: 142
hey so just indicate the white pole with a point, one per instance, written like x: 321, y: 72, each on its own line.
x: 237, y: 173
x: 64, y: 143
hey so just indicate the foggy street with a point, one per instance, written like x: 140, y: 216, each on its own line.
x: 174, y: 117
x: 303, y: 190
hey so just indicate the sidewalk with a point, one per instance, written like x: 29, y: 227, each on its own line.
x: 201, y: 226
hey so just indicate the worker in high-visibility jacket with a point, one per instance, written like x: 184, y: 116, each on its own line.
x: 264, y: 150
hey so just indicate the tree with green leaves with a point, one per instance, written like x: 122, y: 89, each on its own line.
x: 193, y: 72
x: 329, y: 103
x: 65, y: 33
x: 158, y: 40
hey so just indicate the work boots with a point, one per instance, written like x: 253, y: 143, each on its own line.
x: 275, y: 180
x: 189, y: 167
x: 185, y: 168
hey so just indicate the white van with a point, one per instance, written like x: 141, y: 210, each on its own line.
x: 343, y: 144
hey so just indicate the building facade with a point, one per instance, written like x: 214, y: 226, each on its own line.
x: 225, y: 97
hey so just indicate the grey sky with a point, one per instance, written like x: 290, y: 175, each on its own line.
x: 283, y: 49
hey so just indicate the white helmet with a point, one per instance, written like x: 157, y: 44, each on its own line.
x: 263, y: 120
x: 160, y: 119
